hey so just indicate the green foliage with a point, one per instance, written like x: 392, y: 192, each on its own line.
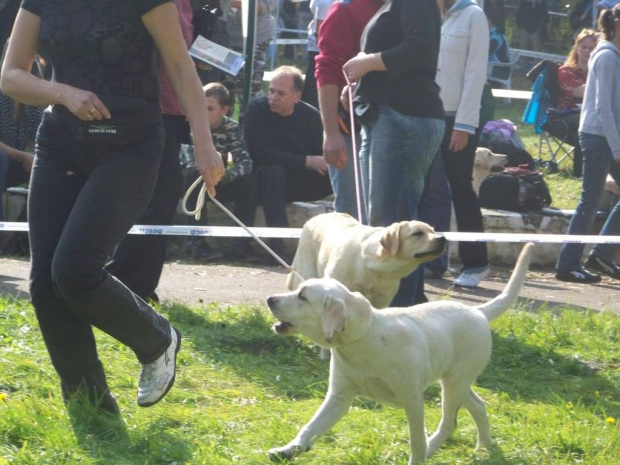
x: 551, y: 389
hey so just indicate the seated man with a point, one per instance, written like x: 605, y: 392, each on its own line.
x: 238, y: 184
x: 285, y: 139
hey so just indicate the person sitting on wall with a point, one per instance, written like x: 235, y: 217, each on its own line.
x: 238, y: 184
x: 284, y: 137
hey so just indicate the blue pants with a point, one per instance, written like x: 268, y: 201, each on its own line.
x: 597, y: 163
x: 343, y: 183
x: 397, y: 152
x: 82, y: 201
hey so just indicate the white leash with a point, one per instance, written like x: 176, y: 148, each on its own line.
x: 200, y: 201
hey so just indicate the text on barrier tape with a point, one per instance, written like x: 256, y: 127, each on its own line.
x: 294, y: 233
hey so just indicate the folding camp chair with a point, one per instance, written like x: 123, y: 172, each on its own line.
x: 552, y: 125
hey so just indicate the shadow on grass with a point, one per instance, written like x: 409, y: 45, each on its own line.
x: 247, y: 345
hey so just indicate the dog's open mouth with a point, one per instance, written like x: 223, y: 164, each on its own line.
x: 282, y: 327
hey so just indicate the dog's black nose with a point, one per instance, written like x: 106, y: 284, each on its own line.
x: 270, y: 300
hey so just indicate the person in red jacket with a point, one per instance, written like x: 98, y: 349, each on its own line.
x: 339, y: 41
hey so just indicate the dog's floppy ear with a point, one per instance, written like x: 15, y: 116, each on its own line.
x: 390, y: 241
x: 333, y: 317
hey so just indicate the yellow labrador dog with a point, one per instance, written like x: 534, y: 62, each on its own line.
x: 486, y: 163
x: 393, y: 355
x: 366, y: 259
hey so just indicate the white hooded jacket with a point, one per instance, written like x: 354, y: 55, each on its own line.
x: 462, y: 68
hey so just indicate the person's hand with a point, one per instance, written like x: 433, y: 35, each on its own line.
x: 26, y: 160
x: 335, y: 150
x: 357, y: 67
x: 210, y: 165
x: 458, y: 140
x: 345, y: 99
x: 316, y: 163
x: 202, y: 66
x: 84, y: 104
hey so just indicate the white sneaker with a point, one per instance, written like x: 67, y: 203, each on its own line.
x: 469, y: 279
x: 157, y: 378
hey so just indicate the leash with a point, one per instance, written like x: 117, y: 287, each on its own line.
x: 354, y: 151
x: 200, y: 201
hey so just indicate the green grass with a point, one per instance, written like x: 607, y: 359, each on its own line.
x: 551, y: 388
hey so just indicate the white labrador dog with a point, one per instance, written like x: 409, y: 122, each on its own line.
x: 393, y: 355
x: 366, y: 259
x: 486, y: 163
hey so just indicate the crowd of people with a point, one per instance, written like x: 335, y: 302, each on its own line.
x: 120, y: 106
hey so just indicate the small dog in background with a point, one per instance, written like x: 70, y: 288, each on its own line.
x: 393, y: 355
x: 486, y: 163
x: 366, y: 259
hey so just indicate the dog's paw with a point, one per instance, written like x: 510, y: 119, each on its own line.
x: 283, y: 454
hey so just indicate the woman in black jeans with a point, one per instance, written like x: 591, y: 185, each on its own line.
x: 97, y: 155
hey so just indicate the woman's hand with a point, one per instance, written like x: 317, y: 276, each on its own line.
x: 357, y: 67
x: 458, y: 140
x: 363, y: 63
x: 84, y: 104
x: 210, y: 165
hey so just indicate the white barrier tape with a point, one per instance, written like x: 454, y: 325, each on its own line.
x: 294, y: 233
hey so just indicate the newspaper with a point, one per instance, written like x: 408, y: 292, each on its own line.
x: 214, y: 54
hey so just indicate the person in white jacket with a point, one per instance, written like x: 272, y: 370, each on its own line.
x: 461, y: 75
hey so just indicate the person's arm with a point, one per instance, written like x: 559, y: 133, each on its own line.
x: 18, y: 83
x: 336, y: 41
x: 162, y: 23
x: 23, y: 158
x: 570, y: 84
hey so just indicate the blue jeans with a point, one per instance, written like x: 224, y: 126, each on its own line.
x: 597, y: 163
x: 397, y: 152
x: 343, y: 183
x: 82, y: 201
x: 436, y: 207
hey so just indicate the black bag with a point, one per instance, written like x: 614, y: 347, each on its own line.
x: 515, y: 189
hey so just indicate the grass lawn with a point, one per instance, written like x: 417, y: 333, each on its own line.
x: 552, y: 389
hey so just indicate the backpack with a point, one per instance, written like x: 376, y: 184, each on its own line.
x: 515, y: 189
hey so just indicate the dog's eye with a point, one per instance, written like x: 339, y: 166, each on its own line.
x: 302, y: 295
x: 416, y: 233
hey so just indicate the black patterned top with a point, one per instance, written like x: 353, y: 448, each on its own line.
x: 227, y: 139
x: 18, y: 134
x: 99, y: 45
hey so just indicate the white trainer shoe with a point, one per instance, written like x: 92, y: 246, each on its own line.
x: 469, y: 279
x: 157, y: 378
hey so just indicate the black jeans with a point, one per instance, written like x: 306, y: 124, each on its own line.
x: 83, y: 199
x: 459, y: 167
x: 279, y: 185
x: 139, y: 260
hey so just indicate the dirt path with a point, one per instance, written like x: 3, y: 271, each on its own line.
x: 194, y: 284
